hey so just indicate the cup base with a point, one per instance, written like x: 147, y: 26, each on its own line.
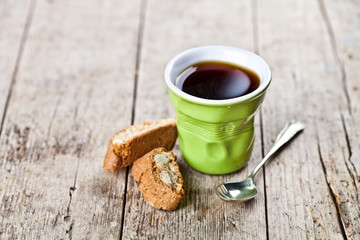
x: 217, y: 172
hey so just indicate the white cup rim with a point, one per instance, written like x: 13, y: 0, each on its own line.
x: 265, y: 76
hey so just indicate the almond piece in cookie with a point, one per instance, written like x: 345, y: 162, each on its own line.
x: 133, y: 142
x: 159, y: 178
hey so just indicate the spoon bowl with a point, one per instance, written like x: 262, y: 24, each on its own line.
x: 246, y: 190
x: 237, y: 191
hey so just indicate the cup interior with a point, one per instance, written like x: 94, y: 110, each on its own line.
x: 217, y: 53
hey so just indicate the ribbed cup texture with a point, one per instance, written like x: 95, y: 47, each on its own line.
x: 214, y: 131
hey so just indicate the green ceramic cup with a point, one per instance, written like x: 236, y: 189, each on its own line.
x: 216, y: 136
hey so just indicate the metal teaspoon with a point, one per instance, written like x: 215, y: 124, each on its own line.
x: 246, y: 190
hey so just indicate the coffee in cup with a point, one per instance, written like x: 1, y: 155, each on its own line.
x: 217, y: 80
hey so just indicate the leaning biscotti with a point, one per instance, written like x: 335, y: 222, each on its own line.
x: 159, y: 178
x: 133, y: 142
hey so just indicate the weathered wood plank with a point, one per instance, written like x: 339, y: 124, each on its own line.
x: 73, y: 91
x: 171, y: 27
x: 306, y: 86
x: 343, y: 23
x: 13, y: 17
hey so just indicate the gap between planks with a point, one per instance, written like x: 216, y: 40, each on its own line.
x: 255, y: 24
x: 18, y: 58
x: 331, y: 34
x: 333, y: 196
x: 350, y: 155
x: 136, y: 77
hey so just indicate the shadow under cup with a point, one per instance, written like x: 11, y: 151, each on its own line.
x: 216, y: 136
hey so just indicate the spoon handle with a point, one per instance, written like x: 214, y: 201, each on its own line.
x: 288, y: 132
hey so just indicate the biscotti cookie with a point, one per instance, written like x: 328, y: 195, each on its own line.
x: 159, y: 178
x: 133, y: 142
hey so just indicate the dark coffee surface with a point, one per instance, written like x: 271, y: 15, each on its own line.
x: 217, y: 80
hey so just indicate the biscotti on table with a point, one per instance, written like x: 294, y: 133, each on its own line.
x: 159, y: 178
x: 146, y: 146
x: 133, y: 142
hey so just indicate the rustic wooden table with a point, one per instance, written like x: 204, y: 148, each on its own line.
x: 72, y: 73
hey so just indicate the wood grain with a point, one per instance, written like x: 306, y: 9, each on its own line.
x: 342, y: 21
x: 72, y: 73
x: 169, y: 29
x: 14, y: 16
x: 74, y: 90
x: 306, y: 83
